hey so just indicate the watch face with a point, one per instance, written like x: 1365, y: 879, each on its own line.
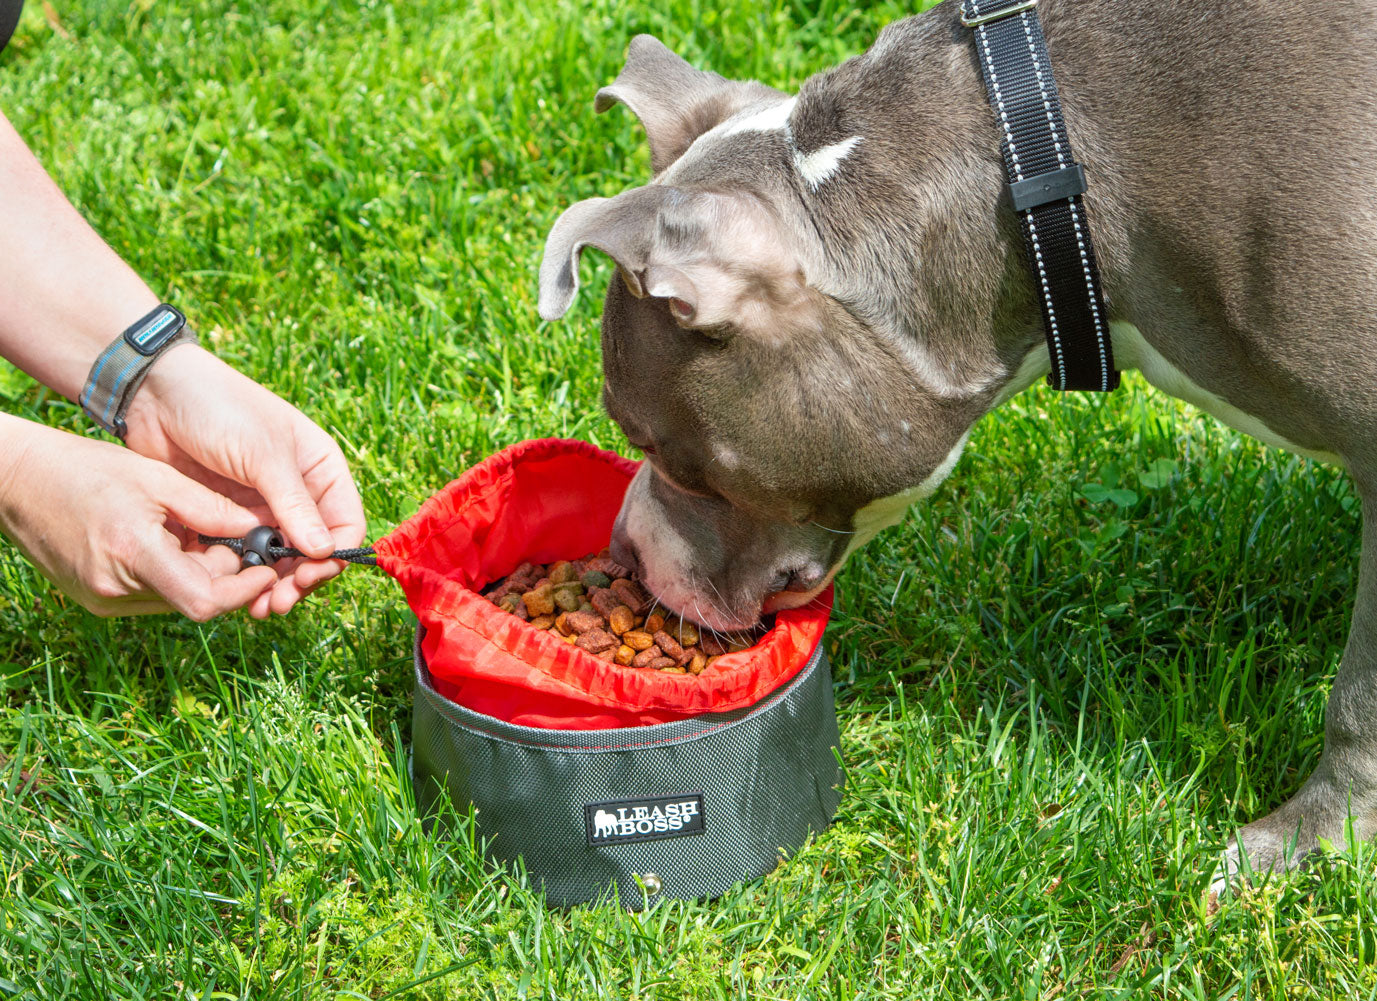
x: 155, y: 330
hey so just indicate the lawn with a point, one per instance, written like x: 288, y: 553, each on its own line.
x: 1061, y: 682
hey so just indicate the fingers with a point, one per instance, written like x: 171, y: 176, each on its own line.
x: 282, y: 486
x: 316, y: 572
x: 297, y: 582
x: 187, y: 584
x: 340, y: 504
x: 219, y: 561
x: 297, y: 578
x: 200, y: 508
x: 285, y: 596
x: 229, y: 593
x: 280, y: 600
x: 109, y: 608
x: 328, y: 479
x: 289, y: 496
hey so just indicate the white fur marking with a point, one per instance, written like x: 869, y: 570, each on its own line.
x: 775, y: 118
x: 1036, y: 364
x: 1131, y: 350
x: 819, y: 165
x: 880, y: 514
x: 667, y: 557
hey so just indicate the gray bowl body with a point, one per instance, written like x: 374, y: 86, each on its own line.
x: 683, y: 809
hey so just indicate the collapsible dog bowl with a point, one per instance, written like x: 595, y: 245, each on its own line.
x: 597, y: 776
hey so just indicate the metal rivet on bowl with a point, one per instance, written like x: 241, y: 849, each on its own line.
x: 651, y: 882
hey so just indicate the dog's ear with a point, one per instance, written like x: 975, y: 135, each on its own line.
x: 623, y: 228
x: 721, y: 261
x: 675, y: 102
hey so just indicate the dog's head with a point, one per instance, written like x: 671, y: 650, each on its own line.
x: 785, y: 411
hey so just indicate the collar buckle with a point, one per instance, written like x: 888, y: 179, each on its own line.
x: 976, y: 19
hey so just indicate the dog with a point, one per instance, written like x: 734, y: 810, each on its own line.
x: 819, y: 294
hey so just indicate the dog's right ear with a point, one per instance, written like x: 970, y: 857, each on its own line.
x: 623, y: 228
x: 675, y: 102
x: 721, y: 262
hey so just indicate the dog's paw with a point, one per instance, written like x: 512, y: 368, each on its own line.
x: 1288, y: 837
x: 1270, y: 845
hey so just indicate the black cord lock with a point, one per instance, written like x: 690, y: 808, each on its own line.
x: 257, y: 546
x: 264, y: 546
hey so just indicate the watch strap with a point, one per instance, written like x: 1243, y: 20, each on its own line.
x: 121, y: 368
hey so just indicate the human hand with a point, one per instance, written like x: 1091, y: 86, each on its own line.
x: 227, y: 432
x: 117, y: 531
x: 64, y: 294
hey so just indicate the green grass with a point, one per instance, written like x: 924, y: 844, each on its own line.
x: 1061, y: 682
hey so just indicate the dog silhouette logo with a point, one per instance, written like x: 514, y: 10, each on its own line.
x: 623, y: 821
x: 604, y: 824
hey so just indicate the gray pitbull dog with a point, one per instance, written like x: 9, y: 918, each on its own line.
x: 819, y: 294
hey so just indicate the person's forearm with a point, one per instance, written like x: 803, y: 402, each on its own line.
x: 64, y: 294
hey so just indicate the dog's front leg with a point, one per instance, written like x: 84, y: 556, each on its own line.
x: 1345, y: 782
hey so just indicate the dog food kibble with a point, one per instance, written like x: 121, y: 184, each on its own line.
x: 646, y: 657
x: 582, y: 622
x: 568, y: 597
x: 621, y: 620
x: 596, y: 641
x: 595, y: 578
x: 597, y: 605
x: 541, y: 601
x: 605, y: 601
x: 669, y: 645
x: 563, y: 572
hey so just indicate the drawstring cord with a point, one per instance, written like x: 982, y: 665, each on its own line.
x: 263, y: 547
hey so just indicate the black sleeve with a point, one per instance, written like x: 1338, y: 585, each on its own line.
x: 9, y: 17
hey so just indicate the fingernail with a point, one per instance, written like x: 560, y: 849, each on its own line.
x: 319, y: 538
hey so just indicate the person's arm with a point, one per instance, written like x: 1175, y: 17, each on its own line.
x: 65, y: 295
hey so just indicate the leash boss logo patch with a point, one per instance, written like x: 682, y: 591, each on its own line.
x: 623, y: 821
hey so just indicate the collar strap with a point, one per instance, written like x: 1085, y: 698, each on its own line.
x: 1046, y: 186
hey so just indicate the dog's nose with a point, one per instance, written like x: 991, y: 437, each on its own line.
x: 623, y: 550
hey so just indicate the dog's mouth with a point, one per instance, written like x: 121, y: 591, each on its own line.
x: 722, y: 566
x: 701, y: 606
x: 781, y: 601
x: 705, y: 608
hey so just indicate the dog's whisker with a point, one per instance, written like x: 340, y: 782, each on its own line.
x: 834, y: 531
x: 721, y: 609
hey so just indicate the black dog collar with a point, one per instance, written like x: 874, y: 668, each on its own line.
x: 1045, y: 185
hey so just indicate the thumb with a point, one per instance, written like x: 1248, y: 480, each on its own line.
x: 202, y: 509
x: 189, y: 587
x: 295, y: 509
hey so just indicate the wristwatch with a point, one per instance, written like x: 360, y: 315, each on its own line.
x: 121, y: 368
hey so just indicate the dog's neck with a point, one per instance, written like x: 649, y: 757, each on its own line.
x: 918, y: 239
